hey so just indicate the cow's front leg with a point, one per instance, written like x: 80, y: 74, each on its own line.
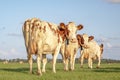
x: 89, y: 63
x: 55, y: 57
x: 62, y: 49
x: 66, y: 64
x: 73, y: 65
x: 81, y: 61
x: 99, y: 61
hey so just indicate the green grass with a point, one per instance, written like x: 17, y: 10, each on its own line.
x: 16, y: 71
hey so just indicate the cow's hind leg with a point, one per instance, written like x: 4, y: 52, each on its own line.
x: 30, y: 63
x: 44, y: 60
x: 39, y: 56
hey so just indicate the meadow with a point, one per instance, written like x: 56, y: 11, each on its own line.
x: 16, y: 71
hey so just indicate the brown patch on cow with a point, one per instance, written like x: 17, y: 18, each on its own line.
x: 33, y: 47
x: 101, y: 48
x: 91, y: 38
x: 36, y: 23
x: 67, y: 54
x: 55, y: 31
x: 44, y: 30
x: 26, y: 24
x: 58, y: 38
x: 40, y: 28
x: 61, y: 34
x: 79, y: 27
x: 75, y: 51
x: 64, y: 32
x: 94, y: 58
x: 62, y: 26
x: 80, y: 39
x: 86, y: 55
x: 63, y: 29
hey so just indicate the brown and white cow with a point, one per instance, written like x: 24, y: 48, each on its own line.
x: 72, y: 43
x: 41, y: 38
x: 91, y: 50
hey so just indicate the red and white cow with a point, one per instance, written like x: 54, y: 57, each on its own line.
x: 41, y: 38
x: 91, y: 50
x: 72, y: 44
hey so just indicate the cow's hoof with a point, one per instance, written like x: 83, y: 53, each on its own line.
x: 43, y: 71
x: 97, y: 67
x: 90, y: 67
x: 39, y: 74
x: 71, y: 69
x: 65, y: 69
x: 31, y: 72
x: 81, y: 66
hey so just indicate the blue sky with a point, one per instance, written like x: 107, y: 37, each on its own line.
x: 101, y: 18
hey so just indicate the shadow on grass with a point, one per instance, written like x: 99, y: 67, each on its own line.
x: 108, y: 69
x: 19, y: 70
x: 22, y: 70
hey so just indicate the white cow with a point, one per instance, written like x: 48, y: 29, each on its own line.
x: 72, y: 44
x: 41, y: 38
x: 91, y: 50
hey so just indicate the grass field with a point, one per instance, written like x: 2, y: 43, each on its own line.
x: 16, y: 71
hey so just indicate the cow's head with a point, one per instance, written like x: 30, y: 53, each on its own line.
x: 71, y: 30
x: 85, y: 39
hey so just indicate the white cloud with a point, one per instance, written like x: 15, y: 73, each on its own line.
x: 108, y: 45
x: 113, y: 1
x: 14, y: 34
x: 104, y: 41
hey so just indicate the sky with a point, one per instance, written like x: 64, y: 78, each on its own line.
x: 100, y: 18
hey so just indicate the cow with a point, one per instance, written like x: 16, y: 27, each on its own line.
x: 41, y: 38
x: 71, y: 46
x: 5, y: 62
x: 91, y: 50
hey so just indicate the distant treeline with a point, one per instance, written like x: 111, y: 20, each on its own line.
x: 60, y: 60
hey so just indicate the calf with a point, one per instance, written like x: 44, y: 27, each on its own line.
x: 91, y: 50
x: 72, y: 44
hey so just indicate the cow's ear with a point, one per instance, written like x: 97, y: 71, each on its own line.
x: 91, y: 38
x: 79, y: 27
x: 62, y: 26
x: 80, y: 39
x: 101, y: 45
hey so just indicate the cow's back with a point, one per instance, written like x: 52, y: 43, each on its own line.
x: 48, y: 37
